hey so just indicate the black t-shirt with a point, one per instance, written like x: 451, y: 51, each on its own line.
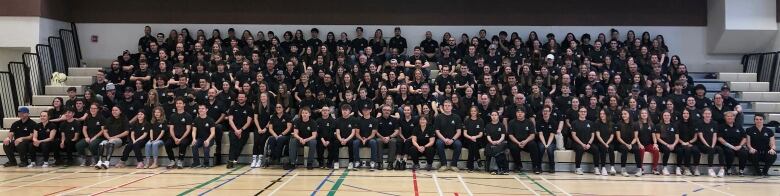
x: 158, y: 128
x: 180, y: 122
x: 474, y: 127
x: 686, y: 130
x: 23, y: 129
x: 604, y: 130
x: 203, y: 126
x: 140, y: 129
x: 583, y: 129
x: 45, y: 130
x: 70, y: 128
x: 346, y: 126
x: 326, y: 128
x: 240, y: 114
x: 627, y: 131
x: 398, y: 43
x: 424, y: 136
x: 94, y: 125
x: 448, y: 125
x: 494, y: 131
x: 708, y: 130
x: 667, y: 132
x: 732, y: 134
x: 367, y: 126
x: 646, y: 133
x: 408, y: 127
x: 547, y: 128
x: 429, y: 45
x: 387, y: 126
x: 279, y: 124
x: 115, y: 126
x: 759, y: 139
x: 305, y: 129
x: 521, y: 129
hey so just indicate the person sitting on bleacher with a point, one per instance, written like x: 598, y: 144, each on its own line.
x: 19, y: 139
x: 44, y: 140
x: 761, y: 146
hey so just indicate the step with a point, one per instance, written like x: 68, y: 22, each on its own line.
x: 83, y: 71
x: 62, y: 90
x: 7, y: 122
x: 749, y: 86
x: 737, y: 77
x: 759, y: 96
x: 36, y: 110
x: 766, y: 107
x: 80, y: 80
x: 711, y: 86
x: 45, y: 100
x: 771, y: 117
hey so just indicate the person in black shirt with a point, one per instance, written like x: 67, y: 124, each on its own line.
x: 732, y: 139
x: 326, y: 127
x: 44, y: 140
x: 521, y: 134
x: 70, y: 132
x: 647, y: 142
x: 93, y: 135
x: 626, y: 133
x: 346, y: 128
x: 448, y: 130
x: 367, y: 130
x: 386, y: 135
x: 548, y: 127
x: 707, y: 132
x: 398, y: 42
x: 669, y: 137
x: 473, y: 136
x: 159, y: 126
x: 422, y: 144
x: 19, y: 139
x: 761, y: 145
x: 429, y: 45
x: 139, y: 135
x: 408, y: 124
x: 239, y: 120
x: 179, y: 129
x: 359, y: 43
x: 583, y: 137
x: 605, y: 134
x: 263, y: 111
x: 203, y: 134
x: 687, y: 140
x: 115, y: 130
x: 304, y: 133
x: 495, y: 133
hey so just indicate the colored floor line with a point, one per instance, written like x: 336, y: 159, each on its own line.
x: 414, y: 178
x: 367, y: 190
x: 336, y: 186
x: 225, y: 182
x: 537, y: 184
x: 128, y: 183
x: 60, y: 191
x: 322, y: 183
x: 274, y: 182
x: 210, y: 181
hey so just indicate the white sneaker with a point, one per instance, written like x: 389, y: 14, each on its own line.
x: 623, y: 172
x: 351, y: 166
x: 45, y: 164
x: 336, y: 165
x: 665, y: 171
x: 678, y: 171
x: 254, y: 162
x: 597, y: 171
x: 604, y: 171
x: 372, y: 166
x: 638, y: 172
x: 687, y: 172
x: 578, y: 171
x: 612, y: 170
x: 711, y: 173
x: 721, y: 173
x: 31, y: 165
x: 259, y: 161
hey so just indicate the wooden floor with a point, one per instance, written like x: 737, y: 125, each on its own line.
x: 247, y: 181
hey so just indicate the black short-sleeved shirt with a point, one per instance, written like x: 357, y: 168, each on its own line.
x: 627, y: 130
x: 424, y: 136
x: 23, y: 129
x: 203, y: 126
x: 646, y: 133
x: 305, y: 129
x: 45, y: 130
x: 667, y: 132
x: 521, y: 129
x: 216, y: 109
x: 70, y: 128
x: 94, y: 125
x: 279, y: 124
x: 408, y: 127
x: 708, y: 130
x: 686, y: 130
x: 398, y: 43
x: 180, y: 122
x: 429, y: 45
x: 345, y: 126
x: 326, y: 128
x: 474, y: 127
x: 448, y: 125
x: 604, y: 130
x: 387, y: 126
x: 759, y: 139
x: 240, y: 114
x: 366, y: 126
x: 583, y: 129
x: 494, y: 131
x: 140, y: 129
x: 158, y: 128
x: 732, y: 134
x: 115, y: 126
x: 547, y: 128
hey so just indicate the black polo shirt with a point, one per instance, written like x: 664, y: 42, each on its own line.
x: 366, y: 126
x: 429, y: 45
x: 345, y: 126
x: 732, y: 134
x: 494, y: 131
x: 44, y: 130
x: 115, y: 126
x: 521, y: 129
x: 279, y: 124
x: 23, y: 129
x: 305, y: 129
x: 424, y: 136
x: 216, y: 109
x: 474, y: 127
x: 240, y: 113
x: 398, y: 43
x: 180, y: 122
x: 759, y: 139
x: 326, y: 128
x: 583, y: 129
x: 387, y: 126
x: 448, y: 125
x: 70, y: 128
x: 203, y: 126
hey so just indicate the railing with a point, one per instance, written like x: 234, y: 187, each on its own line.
x: 36, y: 83
x: 21, y: 75
x: 765, y: 65
x: 8, y: 99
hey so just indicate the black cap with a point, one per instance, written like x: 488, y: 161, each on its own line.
x: 700, y: 87
x: 725, y: 87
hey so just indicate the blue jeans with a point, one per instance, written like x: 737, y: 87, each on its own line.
x: 294, y: 143
x: 199, y: 143
x: 153, y: 148
x: 456, y: 147
x: 356, y: 144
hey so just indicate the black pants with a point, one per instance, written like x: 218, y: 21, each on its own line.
x: 258, y: 142
x: 137, y: 149
x: 237, y: 144
x: 402, y: 147
x: 415, y: 154
x: 473, y: 149
x: 219, y: 130
x: 666, y: 152
x: 333, y: 151
x: 730, y: 154
x: 607, y: 151
x: 711, y: 152
x: 69, y: 150
x: 579, y: 151
x: 624, y: 155
x: 762, y: 156
x: 45, y: 148
x: 277, y: 146
x: 532, y: 148
x: 182, y: 146
x: 24, y: 148
x: 689, y: 152
x: 496, y: 152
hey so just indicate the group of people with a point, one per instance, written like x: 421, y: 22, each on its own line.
x: 500, y: 94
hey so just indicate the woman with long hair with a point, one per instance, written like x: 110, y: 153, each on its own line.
x: 606, y: 141
x: 473, y: 136
x: 647, y: 142
x: 159, y: 126
x: 667, y: 134
x: 115, y: 130
x: 138, y: 138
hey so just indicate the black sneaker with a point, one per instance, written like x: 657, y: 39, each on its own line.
x: 230, y: 165
x: 429, y: 167
x: 480, y: 163
x: 195, y: 165
x: 415, y: 166
x: 9, y: 164
x: 23, y: 164
x: 403, y: 165
x: 309, y: 166
x: 207, y: 165
x: 379, y: 165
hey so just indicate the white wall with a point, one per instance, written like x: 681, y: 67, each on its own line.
x: 11, y: 54
x: 19, y: 31
x: 49, y: 27
x: 688, y: 42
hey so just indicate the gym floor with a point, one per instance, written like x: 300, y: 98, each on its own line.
x: 244, y: 180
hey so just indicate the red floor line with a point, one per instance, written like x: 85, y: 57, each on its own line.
x: 456, y: 193
x: 414, y: 178
x: 128, y: 183
x: 60, y: 191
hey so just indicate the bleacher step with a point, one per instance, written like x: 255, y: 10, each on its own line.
x: 7, y: 122
x: 62, y: 90
x: 45, y: 100
x: 83, y: 71
x: 737, y: 77
x: 749, y: 86
x: 759, y: 96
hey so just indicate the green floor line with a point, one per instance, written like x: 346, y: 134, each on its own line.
x: 201, y: 185
x: 537, y: 184
x: 338, y: 183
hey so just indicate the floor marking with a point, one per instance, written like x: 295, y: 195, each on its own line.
x: 128, y: 183
x: 28, y: 176
x: 285, y: 183
x: 60, y: 191
x: 225, y: 182
x: 462, y: 182
x: 707, y: 187
x: 338, y: 183
x: 274, y: 182
x: 367, y: 190
x: 537, y: 184
x: 38, y: 181
x: 414, y: 178
x: 526, y: 186
x: 101, y: 182
x: 201, y: 185
x: 556, y: 186
x: 436, y: 181
x: 322, y: 183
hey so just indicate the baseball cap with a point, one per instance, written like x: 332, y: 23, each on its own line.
x: 24, y: 110
x: 110, y: 87
x: 550, y: 56
x: 725, y: 87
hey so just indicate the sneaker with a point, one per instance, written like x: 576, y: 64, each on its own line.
x: 711, y: 173
x: 687, y: 172
x: 120, y: 164
x: 623, y: 172
x: 604, y: 171
x: 31, y: 165
x: 380, y: 165
x: 612, y: 170
x: 180, y: 164
x: 721, y: 173
x: 415, y: 167
x: 639, y: 172
x: 665, y: 171
x: 99, y: 165
x: 105, y: 164
x: 443, y: 168
x: 372, y: 167
x: 578, y: 171
x: 45, y: 164
x: 172, y: 164
x: 741, y: 173
x: 229, y: 165
x: 9, y: 164
x: 260, y: 160
x: 254, y: 162
x: 504, y: 172
x: 336, y: 165
x: 678, y: 171
x: 655, y: 172
x: 455, y: 169
x: 351, y: 166
x: 140, y: 165
x: 597, y: 171
x: 429, y: 167
x: 309, y: 166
